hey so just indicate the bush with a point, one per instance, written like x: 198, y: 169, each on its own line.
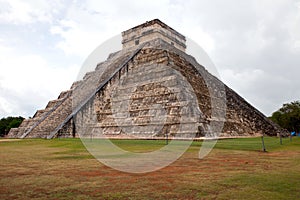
x: 10, y: 122
x: 288, y: 116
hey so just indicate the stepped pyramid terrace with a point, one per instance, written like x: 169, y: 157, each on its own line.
x: 149, y: 89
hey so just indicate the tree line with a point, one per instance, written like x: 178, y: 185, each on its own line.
x: 9, y: 122
x: 288, y: 116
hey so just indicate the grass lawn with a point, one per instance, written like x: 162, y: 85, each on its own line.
x: 235, y: 169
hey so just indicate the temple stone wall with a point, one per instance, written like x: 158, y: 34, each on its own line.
x: 148, y: 81
x: 243, y: 118
x: 150, y: 31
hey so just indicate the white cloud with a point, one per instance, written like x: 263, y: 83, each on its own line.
x: 30, y: 82
x: 267, y: 91
x: 29, y: 11
x: 5, y: 106
x: 76, y: 39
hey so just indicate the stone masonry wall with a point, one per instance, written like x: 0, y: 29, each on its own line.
x: 160, y: 91
x: 143, y: 81
x: 152, y: 30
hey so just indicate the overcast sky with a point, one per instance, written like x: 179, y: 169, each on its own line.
x: 254, y: 44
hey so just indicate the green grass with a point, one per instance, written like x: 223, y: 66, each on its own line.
x: 255, y: 144
x: 139, y: 145
x: 235, y: 169
x: 248, y: 144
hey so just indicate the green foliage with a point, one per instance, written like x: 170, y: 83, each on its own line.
x: 288, y: 116
x: 10, y: 122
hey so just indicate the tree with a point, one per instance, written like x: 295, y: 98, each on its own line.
x: 10, y: 122
x: 288, y: 116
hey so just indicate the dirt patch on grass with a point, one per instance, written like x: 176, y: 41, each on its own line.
x: 39, y: 170
x: 9, y: 140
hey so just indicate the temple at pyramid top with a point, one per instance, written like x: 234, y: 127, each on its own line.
x: 152, y: 30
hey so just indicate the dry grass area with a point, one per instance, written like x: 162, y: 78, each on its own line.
x: 235, y: 169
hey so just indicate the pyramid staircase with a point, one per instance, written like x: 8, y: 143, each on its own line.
x: 113, y: 71
x: 47, y: 123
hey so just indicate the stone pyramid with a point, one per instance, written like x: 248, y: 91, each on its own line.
x: 149, y: 89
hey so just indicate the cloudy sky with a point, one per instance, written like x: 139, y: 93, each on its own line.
x: 254, y: 44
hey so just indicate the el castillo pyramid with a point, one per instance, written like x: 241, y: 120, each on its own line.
x: 151, y: 88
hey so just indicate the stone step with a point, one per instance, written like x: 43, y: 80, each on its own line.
x: 146, y: 68
x: 23, y: 127
x: 75, y: 84
x: 148, y: 122
x: 52, y: 120
x: 13, y: 133
x: 64, y: 94
x: 52, y: 103
x: 150, y: 131
x: 137, y: 80
x: 40, y: 113
x: 93, y: 79
x: 167, y: 81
